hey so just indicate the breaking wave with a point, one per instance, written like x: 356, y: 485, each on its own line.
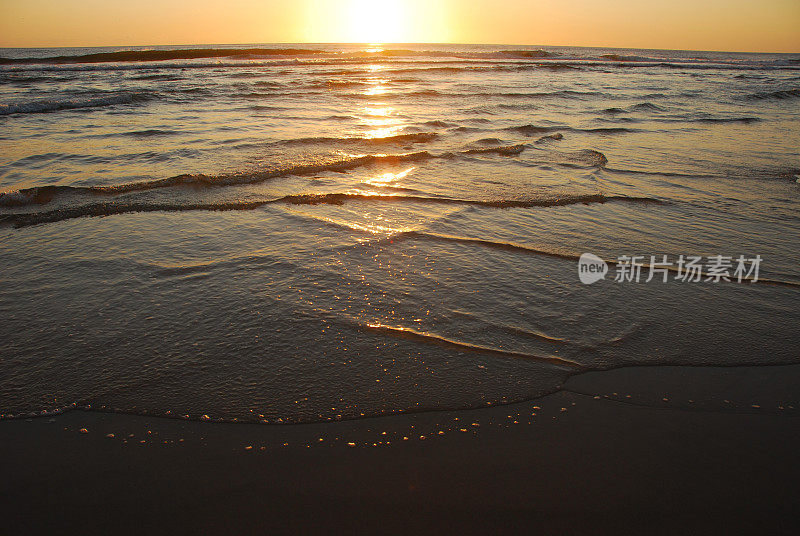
x: 163, y: 55
x: 41, y: 106
x: 41, y: 195
x: 44, y: 194
x: 123, y: 207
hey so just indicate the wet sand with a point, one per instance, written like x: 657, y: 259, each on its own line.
x: 676, y: 450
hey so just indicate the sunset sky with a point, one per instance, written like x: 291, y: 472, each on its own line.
x: 733, y: 25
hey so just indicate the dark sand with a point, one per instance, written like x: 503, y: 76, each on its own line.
x: 703, y: 461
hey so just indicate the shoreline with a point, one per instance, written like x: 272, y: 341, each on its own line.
x: 585, y: 462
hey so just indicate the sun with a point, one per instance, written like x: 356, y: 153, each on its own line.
x: 377, y: 21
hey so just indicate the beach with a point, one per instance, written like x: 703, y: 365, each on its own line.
x: 422, y: 288
x: 568, y: 463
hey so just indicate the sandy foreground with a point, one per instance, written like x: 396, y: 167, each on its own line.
x: 658, y: 450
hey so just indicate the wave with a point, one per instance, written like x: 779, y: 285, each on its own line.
x: 337, y: 84
x: 509, y: 246
x: 745, y: 120
x: 505, y: 150
x: 268, y: 84
x: 674, y: 65
x: 664, y: 173
x: 647, y: 106
x: 620, y: 57
x: 341, y: 198
x: 566, y: 93
x: 467, y: 130
x: 563, y: 94
x: 588, y: 157
x: 524, y: 54
x: 442, y: 69
x: 418, y: 61
x: 15, y: 78
x: 218, y: 64
x: 149, y: 133
x: 697, y: 118
x: 163, y: 55
x: 550, y: 137
x: 533, y: 130
x: 111, y: 209
x: 552, y: 66
x: 506, y: 246
x: 500, y: 54
x: 267, y: 108
x: 337, y: 56
x: 605, y: 130
x: 438, y: 124
x: 153, y: 77
x: 175, y: 67
x: 40, y: 195
x: 452, y: 344
x: 42, y: 106
x: 115, y: 208
x: 780, y: 95
x: 418, y: 137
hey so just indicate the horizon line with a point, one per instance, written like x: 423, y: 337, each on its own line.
x: 357, y: 43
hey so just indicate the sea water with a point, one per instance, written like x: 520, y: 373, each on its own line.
x: 275, y: 233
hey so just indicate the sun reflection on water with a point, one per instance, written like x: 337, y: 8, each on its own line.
x: 381, y: 121
x: 388, y: 179
x: 377, y: 120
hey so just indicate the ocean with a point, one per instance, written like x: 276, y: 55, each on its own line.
x: 300, y: 233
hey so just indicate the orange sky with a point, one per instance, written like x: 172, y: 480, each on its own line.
x: 735, y: 25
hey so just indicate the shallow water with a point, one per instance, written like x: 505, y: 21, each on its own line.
x: 284, y: 234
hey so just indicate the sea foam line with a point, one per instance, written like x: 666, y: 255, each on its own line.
x: 452, y: 344
x: 41, y: 195
x: 19, y: 220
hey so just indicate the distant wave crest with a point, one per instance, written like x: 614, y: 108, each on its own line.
x: 42, y: 106
x: 783, y: 94
x: 417, y: 137
x: 533, y: 130
x: 163, y: 55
